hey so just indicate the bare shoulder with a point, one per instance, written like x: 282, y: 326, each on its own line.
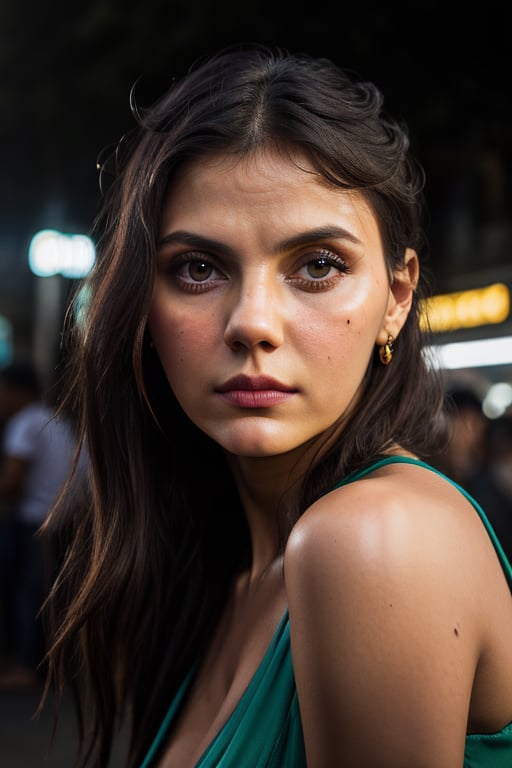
x: 389, y: 582
x: 400, y: 516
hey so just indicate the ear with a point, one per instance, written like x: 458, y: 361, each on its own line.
x: 401, y: 290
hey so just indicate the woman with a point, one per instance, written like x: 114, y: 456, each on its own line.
x: 267, y: 573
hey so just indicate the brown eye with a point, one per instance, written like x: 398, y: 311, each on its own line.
x: 319, y: 268
x: 199, y: 270
x: 194, y: 272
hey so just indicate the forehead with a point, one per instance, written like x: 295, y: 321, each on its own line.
x: 267, y: 180
x: 252, y: 171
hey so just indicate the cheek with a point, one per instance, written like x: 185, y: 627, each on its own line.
x: 181, y: 339
x: 338, y: 336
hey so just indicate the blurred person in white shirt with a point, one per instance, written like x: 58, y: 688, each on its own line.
x: 35, y: 458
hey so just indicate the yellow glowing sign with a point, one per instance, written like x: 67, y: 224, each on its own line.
x: 466, y: 309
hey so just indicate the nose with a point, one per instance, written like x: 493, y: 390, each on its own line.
x: 256, y: 316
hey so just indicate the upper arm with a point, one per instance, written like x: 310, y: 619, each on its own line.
x: 383, y: 647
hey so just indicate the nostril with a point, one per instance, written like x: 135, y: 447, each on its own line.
x: 249, y: 341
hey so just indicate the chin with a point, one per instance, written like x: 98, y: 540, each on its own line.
x: 254, y: 439
x: 254, y: 446
x: 264, y: 449
x: 253, y: 451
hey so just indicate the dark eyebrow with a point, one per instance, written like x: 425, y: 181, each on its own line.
x: 201, y: 243
x: 314, y: 236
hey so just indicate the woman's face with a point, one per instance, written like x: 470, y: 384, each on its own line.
x: 271, y: 293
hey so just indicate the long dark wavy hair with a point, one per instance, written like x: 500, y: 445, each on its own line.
x: 155, y: 540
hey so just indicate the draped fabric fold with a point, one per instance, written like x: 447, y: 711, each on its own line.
x: 264, y: 730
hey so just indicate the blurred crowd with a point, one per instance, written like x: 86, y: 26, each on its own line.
x: 479, y: 457
x: 36, y: 453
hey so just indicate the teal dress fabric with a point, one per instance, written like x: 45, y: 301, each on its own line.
x: 265, y: 731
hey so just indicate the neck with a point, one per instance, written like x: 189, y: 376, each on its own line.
x: 269, y: 489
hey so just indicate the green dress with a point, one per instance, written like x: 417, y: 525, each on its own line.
x: 265, y: 731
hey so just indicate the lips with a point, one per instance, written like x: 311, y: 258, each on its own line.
x: 254, y: 384
x: 254, y: 391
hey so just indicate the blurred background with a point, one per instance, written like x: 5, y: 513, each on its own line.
x: 66, y: 70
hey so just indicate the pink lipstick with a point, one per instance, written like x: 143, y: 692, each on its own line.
x: 254, y: 391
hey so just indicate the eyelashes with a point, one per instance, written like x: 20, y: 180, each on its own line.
x: 316, y: 270
x: 194, y: 271
x: 319, y: 271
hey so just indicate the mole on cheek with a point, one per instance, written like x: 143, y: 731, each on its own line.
x: 348, y: 320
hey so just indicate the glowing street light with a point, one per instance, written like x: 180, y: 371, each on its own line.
x: 53, y: 253
x: 52, y: 256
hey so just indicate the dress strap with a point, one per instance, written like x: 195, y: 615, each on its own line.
x: 358, y: 474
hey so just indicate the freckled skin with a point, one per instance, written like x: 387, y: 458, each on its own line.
x: 259, y: 318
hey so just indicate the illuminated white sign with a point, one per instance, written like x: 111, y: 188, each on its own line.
x: 54, y: 253
x: 471, y: 354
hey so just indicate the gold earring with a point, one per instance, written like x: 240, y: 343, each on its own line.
x: 386, y: 351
